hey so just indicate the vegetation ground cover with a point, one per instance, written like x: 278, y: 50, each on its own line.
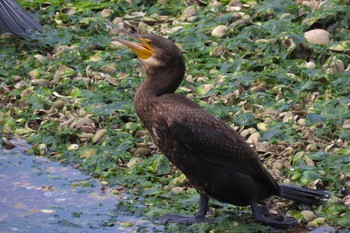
x: 70, y: 91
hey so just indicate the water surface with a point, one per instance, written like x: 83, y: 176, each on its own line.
x: 38, y: 195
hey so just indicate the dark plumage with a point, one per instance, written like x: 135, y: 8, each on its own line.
x: 14, y: 19
x: 214, y: 157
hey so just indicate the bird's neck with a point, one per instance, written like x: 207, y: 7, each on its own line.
x: 163, y: 80
x: 158, y: 82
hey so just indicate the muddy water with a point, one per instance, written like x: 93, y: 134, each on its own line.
x: 38, y: 195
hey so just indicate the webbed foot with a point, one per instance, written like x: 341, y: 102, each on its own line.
x: 262, y: 215
x: 183, y: 219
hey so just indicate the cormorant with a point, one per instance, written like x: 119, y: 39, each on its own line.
x: 14, y: 19
x: 215, y: 158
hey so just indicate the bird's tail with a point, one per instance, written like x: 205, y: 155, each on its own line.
x: 305, y: 195
x: 14, y: 19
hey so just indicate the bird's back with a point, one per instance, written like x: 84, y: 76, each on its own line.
x: 214, y: 157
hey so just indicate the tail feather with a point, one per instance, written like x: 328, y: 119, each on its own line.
x: 305, y: 195
x: 14, y: 19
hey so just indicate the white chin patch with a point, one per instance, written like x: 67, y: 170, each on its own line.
x: 152, y: 62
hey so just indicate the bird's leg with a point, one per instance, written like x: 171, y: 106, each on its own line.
x: 262, y: 215
x: 198, y: 218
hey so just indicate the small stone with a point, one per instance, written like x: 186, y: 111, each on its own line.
x: 247, y: 132
x: 179, y: 181
x: 346, y: 124
x: 301, y: 122
x: 88, y: 129
x: 309, y: 161
x: 316, y: 222
x: 236, y: 16
x: 277, y: 165
x: 8, y: 145
x: 109, y: 69
x: 40, y: 58
x: 343, y: 46
x: 308, y: 215
x: 141, y: 133
x: 215, y: 4
x: 118, y: 21
x: 312, y: 4
x: 235, y: 224
x: 42, y: 149
x: 262, y: 126
x: 262, y: 147
x: 310, y: 65
x: 334, y: 65
x: 73, y: 147
x: 220, y: 31
x: 58, y: 104
x: 177, y: 190
x: 233, y: 8
x: 235, y: 3
x: 219, y: 51
x: 84, y: 122
x: 87, y: 153
x: 254, y: 138
x: 192, y: 19
x: 142, y: 152
x: 41, y: 82
x: 272, y: 211
x: 115, y: 44
x: 318, y: 36
x: 133, y: 161
x: 334, y: 200
x: 106, y: 13
x: 47, y: 211
x: 99, y: 135
x: 346, y: 200
x: 189, y: 12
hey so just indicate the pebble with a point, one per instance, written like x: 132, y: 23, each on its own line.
x: 133, y: 161
x: 254, y: 138
x: 220, y: 31
x: 99, y: 135
x: 343, y: 46
x: 177, y: 190
x: 215, y: 4
x: 316, y: 222
x: 142, y: 152
x: 318, y: 36
x: 189, y: 12
x: 58, y: 104
x: 233, y: 8
x: 310, y: 65
x: 308, y: 215
x: 179, y: 181
x: 73, y: 147
x: 41, y: 82
x: 106, y: 13
x: 346, y: 200
x: 346, y: 124
x: 235, y: 3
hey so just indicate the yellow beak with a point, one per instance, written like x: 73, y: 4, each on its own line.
x: 143, y: 49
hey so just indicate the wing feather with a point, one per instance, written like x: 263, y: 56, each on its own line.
x: 212, y: 140
x: 15, y: 19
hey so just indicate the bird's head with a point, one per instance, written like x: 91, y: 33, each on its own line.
x: 153, y: 50
x: 162, y: 60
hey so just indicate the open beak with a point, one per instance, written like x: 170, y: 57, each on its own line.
x: 143, y: 49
